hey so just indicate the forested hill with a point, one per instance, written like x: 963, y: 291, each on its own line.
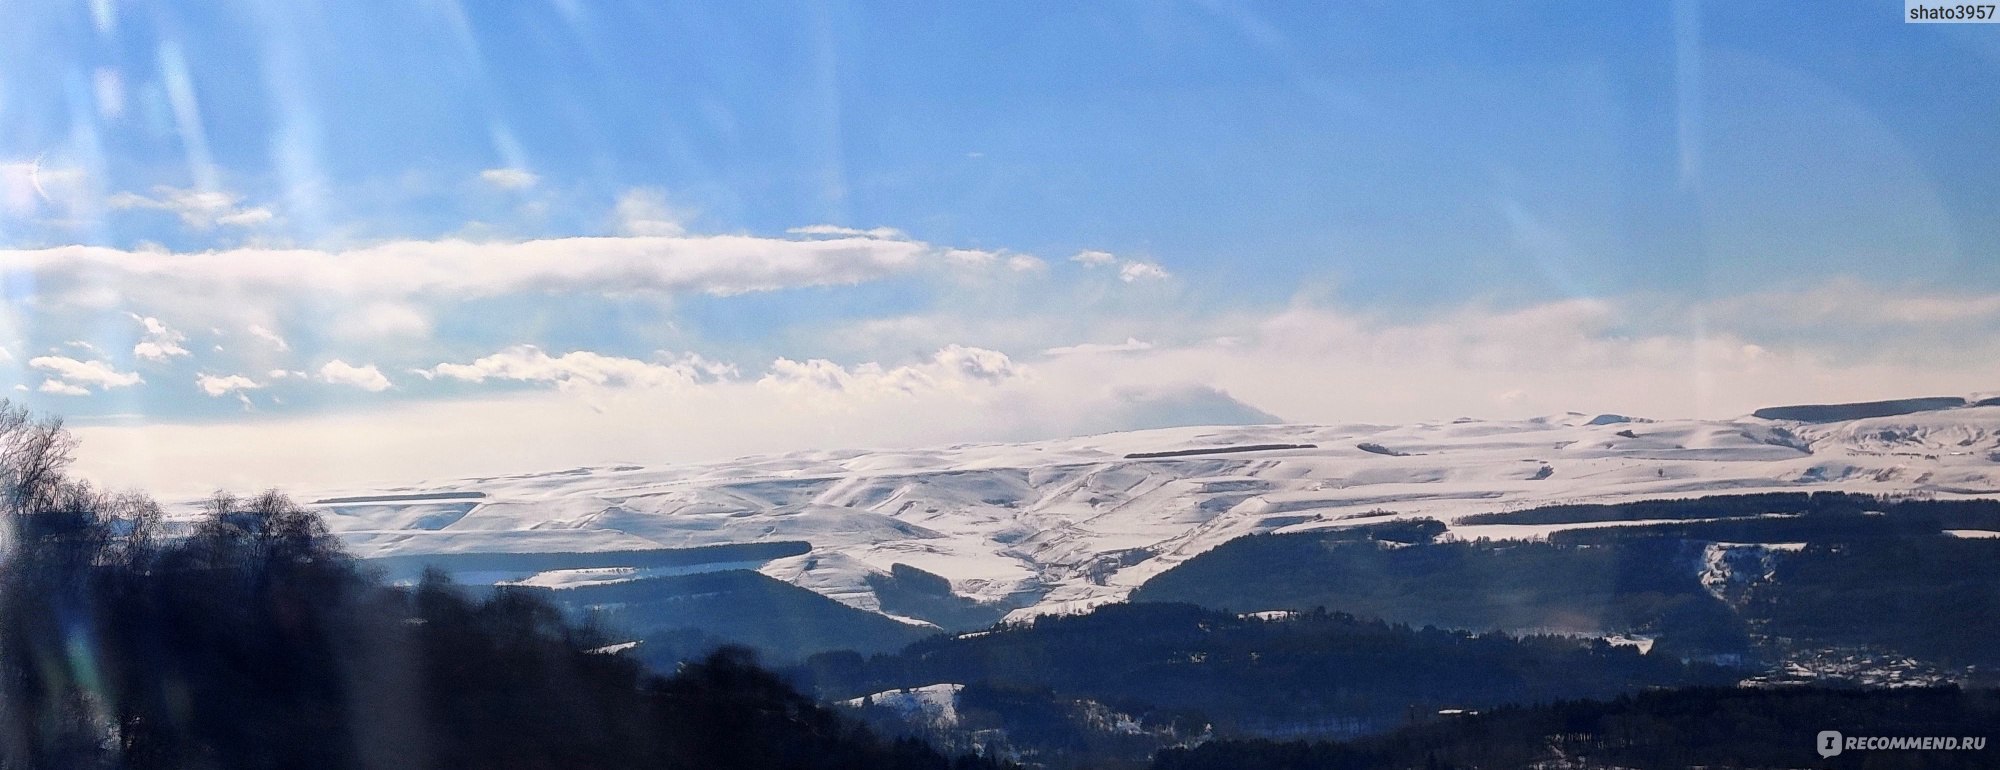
x: 1739, y: 729
x: 253, y: 641
x: 1771, y: 577
x: 1170, y: 673
x: 1245, y: 670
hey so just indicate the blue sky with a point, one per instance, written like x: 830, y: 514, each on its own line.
x: 832, y: 217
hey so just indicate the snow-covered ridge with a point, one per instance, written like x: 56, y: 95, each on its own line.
x: 1066, y: 524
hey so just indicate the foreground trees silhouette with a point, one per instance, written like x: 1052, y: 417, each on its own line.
x: 245, y: 638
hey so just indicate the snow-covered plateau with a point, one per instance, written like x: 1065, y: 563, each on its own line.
x: 1063, y: 525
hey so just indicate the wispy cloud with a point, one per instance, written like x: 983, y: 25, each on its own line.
x: 1130, y: 345
x: 849, y: 232
x: 1129, y: 270
x: 276, y: 341
x: 509, y: 178
x: 61, y: 388
x: 1847, y: 301
x: 1023, y: 263
x: 379, y: 319
x: 223, y: 385
x: 452, y: 269
x: 645, y: 212
x: 198, y: 209
x: 971, y: 257
x: 1094, y: 258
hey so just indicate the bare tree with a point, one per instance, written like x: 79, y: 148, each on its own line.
x: 34, y: 453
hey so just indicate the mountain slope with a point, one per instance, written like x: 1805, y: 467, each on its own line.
x: 1062, y: 525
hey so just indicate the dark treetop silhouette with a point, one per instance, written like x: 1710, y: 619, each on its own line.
x: 245, y: 638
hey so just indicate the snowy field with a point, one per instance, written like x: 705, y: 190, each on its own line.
x: 1064, y: 525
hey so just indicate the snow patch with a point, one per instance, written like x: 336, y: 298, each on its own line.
x: 933, y: 705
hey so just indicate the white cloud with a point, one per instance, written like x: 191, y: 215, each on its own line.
x: 983, y: 258
x: 269, y: 336
x: 886, y: 233
x: 69, y: 376
x: 221, y: 386
x: 509, y: 178
x: 972, y: 364
x: 366, y: 377
x: 1650, y: 355
x: 970, y: 257
x: 527, y: 363
x: 1129, y: 270
x: 251, y: 283
x: 63, y: 388
x: 159, y: 342
x: 952, y: 368
x: 1322, y: 365
x: 1094, y: 258
x: 246, y: 217
x: 198, y: 209
x: 1130, y: 345
x: 645, y: 212
x: 1022, y: 263
x: 1141, y: 271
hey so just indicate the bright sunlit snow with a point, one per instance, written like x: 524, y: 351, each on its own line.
x: 1065, y: 525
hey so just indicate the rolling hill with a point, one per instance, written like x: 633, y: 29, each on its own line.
x: 1018, y: 530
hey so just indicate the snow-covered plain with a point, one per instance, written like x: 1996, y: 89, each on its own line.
x: 1064, y: 525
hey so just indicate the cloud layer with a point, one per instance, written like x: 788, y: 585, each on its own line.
x: 1302, y: 363
x: 720, y: 265
x: 550, y: 352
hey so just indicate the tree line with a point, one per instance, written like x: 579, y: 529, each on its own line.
x: 245, y: 637
x: 1740, y: 728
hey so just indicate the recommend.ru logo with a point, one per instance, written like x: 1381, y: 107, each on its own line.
x: 1830, y: 743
